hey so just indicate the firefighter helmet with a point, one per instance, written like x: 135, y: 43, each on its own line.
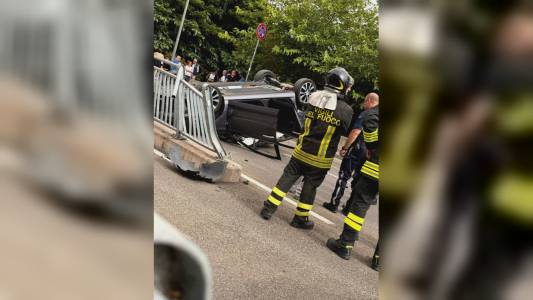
x: 338, y: 80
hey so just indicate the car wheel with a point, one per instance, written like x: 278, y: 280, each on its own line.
x: 262, y: 74
x: 217, y: 101
x: 303, y: 88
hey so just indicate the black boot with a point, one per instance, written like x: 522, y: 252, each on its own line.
x: 375, y: 262
x: 302, y: 223
x: 343, y: 250
x: 268, y: 210
x: 375, y: 259
x: 330, y: 206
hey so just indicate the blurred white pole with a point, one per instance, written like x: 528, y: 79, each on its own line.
x: 179, y: 31
x: 252, y: 61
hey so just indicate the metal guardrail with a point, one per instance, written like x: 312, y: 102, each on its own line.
x: 164, y: 102
x: 48, y: 49
x: 180, y: 106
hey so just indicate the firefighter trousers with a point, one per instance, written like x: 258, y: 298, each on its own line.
x: 350, y: 166
x: 312, y: 178
x: 363, y: 195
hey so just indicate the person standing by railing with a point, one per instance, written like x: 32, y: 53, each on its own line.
x: 188, y: 75
x: 195, y: 68
x: 173, y: 68
x: 224, y: 76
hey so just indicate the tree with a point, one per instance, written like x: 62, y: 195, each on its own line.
x: 206, y: 21
x: 309, y: 37
x: 306, y: 37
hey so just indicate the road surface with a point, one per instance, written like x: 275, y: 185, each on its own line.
x: 256, y: 259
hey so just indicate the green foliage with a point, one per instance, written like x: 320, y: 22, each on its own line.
x: 306, y: 38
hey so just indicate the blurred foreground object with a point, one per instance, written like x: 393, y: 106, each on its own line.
x: 457, y: 196
x: 75, y: 150
x: 181, y: 269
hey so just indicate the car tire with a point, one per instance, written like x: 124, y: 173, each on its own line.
x: 262, y: 74
x: 218, y: 101
x: 302, y: 89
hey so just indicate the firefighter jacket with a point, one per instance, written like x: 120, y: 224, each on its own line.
x: 323, y: 129
x: 371, y: 137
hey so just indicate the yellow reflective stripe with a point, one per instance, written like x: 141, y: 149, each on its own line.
x: 371, y: 140
x: 325, y: 141
x: 370, y: 172
x: 325, y: 164
x: 371, y: 169
x: 314, y: 157
x: 371, y: 136
x: 301, y: 213
x: 356, y: 218
x: 279, y: 192
x: 312, y: 163
x: 373, y: 133
x: 305, y: 206
x: 307, y: 128
x: 274, y: 200
x: 372, y: 165
x: 352, y: 224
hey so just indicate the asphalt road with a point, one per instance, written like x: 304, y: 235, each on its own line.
x: 256, y: 259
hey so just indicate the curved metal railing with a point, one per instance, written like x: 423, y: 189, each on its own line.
x: 180, y: 106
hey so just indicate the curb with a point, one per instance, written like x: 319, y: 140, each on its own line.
x: 188, y: 156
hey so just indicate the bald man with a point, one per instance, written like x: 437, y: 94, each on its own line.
x: 366, y: 188
x: 354, y: 155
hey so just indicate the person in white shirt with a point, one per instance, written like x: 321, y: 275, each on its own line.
x: 211, y: 77
x: 188, y: 75
x: 224, y: 76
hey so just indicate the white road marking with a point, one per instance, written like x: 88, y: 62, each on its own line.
x: 334, y: 176
x: 262, y: 186
x: 162, y: 155
x: 289, y: 200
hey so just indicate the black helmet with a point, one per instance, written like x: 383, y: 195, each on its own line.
x: 338, y: 79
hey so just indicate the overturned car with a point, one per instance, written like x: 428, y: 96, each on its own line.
x: 264, y: 111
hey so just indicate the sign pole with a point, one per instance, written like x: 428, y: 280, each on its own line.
x: 179, y: 31
x: 252, y: 61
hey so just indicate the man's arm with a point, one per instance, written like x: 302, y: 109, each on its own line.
x: 349, y: 141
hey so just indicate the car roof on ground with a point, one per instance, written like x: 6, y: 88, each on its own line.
x: 250, y: 90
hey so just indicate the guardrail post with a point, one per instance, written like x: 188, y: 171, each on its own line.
x: 210, y: 118
x: 177, y: 94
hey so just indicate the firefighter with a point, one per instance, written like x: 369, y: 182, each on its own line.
x: 354, y: 155
x: 366, y: 189
x: 326, y: 119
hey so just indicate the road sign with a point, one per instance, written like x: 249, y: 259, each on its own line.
x: 261, y: 31
x: 261, y: 34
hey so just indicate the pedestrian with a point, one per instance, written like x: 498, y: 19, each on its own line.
x: 366, y: 189
x: 188, y: 75
x: 326, y: 119
x: 234, y: 76
x: 211, y: 77
x: 177, y: 62
x: 224, y: 76
x: 195, y: 68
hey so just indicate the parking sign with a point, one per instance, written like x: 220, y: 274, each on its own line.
x: 261, y: 31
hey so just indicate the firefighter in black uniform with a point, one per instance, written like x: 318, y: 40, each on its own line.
x: 366, y: 189
x: 354, y: 155
x: 327, y: 118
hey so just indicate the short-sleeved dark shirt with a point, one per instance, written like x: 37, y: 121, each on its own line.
x: 358, y: 145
